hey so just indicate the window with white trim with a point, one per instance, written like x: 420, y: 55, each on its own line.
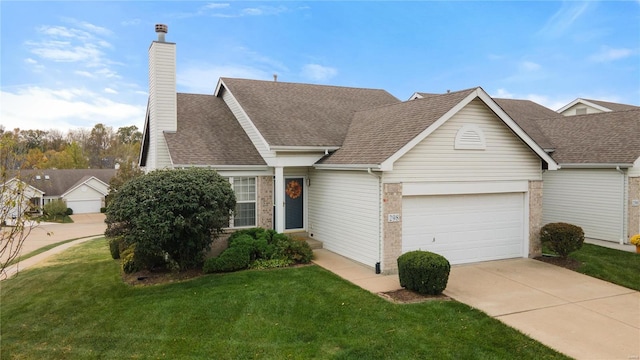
x: 245, y: 212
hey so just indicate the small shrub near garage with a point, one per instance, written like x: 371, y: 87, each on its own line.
x: 116, y: 245
x: 424, y: 272
x: 562, y: 238
x: 259, y: 248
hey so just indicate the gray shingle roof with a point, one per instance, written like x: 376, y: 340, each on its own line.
x: 61, y: 180
x: 290, y: 114
x: 524, y: 113
x: 610, y: 137
x: 376, y: 134
x: 209, y: 134
x: 613, y: 106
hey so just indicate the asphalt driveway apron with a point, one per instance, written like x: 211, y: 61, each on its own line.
x: 578, y: 315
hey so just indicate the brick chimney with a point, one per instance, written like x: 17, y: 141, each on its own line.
x: 162, y: 107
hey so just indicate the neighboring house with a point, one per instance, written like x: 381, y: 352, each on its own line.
x: 83, y: 190
x: 17, y: 198
x: 369, y: 176
x: 587, y: 106
x: 598, y: 184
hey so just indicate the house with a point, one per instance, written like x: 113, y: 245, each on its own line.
x: 586, y: 106
x: 83, y: 190
x: 369, y: 176
x: 598, y: 184
x: 17, y: 197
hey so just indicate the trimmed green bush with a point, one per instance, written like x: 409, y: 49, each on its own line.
x: 424, y: 272
x: 115, y: 245
x: 55, y: 209
x: 562, y: 238
x: 232, y: 259
x: 128, y: 263
x: 69, y: 212
x: 264, y: 248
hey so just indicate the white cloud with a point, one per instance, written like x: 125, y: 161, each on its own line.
x: 607, y: 54
x: 216, y: 6
x: 502, y: 93
x: 64, y: 109
x: 110, y: 91
x: 318, y: 72
x: 529, y: 66
x: 30, y: 61
x: 564, y: 18
x: 84, y: 73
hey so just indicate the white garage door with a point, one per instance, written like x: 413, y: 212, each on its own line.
x: 84, y: 206
x: 465, y: 228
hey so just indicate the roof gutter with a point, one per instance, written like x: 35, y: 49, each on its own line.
x: 366, y: 167
x: 324, y: 149
x: 617, y: 166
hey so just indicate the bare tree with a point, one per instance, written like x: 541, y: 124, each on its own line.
x: 15, y: 197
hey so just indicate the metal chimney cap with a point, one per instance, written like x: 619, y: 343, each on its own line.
x: 162, y: 28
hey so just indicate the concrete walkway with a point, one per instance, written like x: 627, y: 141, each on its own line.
x: 575, y: 314
x: 84, y: 227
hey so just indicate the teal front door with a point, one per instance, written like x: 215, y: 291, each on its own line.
x: 294, y: 203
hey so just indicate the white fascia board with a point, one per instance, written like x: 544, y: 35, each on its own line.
x: 284, y: 148
x: 86, y: 182
x: 542, y: 154
x: 373, y: 167
x: 415, y: 95
x: 28, y: 186
x: 387, y: 165
x: 219, y: 87
x: 595, y: 166
x: 144, y: 134
x: 584, y: 102
x: 461, y: 188
x: 224, y: 167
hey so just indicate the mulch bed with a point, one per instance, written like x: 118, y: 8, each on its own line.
x: 567, y: 263
x: 404, y: 296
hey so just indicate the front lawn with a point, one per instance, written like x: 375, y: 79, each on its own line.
x: 615, y: 266
x: 78, y: 307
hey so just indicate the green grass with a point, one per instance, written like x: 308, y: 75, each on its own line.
x: 615, y: 266
x: 78, y: 307
x: 40, y: 250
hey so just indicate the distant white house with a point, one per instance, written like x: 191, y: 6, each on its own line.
x: 83, y: 190
x: 586, y: 106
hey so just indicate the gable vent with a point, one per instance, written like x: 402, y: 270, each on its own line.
x: 470, y: 137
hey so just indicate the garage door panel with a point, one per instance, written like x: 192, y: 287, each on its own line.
x: 465, y: 228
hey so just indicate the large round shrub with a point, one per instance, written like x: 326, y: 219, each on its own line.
x: 171, y: 213
x: 424, y: 272
x: 562, y: 238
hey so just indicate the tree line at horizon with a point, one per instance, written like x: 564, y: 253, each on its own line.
x: 101, y: 147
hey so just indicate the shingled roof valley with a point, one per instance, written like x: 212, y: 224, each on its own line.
x: 209, y: 134
x: 525, y: 113
x: 376, y: 134
x: 603, y: 138
x: 292, y: 114
x: 613, y: 106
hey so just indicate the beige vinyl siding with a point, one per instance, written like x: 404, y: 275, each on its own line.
x: 506, y: 157
x: 593, y: 199
x: 344, y: 213
x: 162, y: 102
x: 246, y: 123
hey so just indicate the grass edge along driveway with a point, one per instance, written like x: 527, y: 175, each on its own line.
x: 76, y: 306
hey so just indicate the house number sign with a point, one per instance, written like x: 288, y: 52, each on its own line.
x: 393, y: 218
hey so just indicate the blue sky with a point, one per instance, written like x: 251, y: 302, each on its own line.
x: 72, y: 64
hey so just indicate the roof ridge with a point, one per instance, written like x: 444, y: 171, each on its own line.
x: 305, y: 84
x: 430, y: 98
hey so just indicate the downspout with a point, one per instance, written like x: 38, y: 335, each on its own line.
x: 377, y: 267
x: 623, y: 236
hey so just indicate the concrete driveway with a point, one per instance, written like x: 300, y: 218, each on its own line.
x: 578, y: 315
x: 84, y: 226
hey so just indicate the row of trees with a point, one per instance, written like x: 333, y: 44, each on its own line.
x: 98, y: 148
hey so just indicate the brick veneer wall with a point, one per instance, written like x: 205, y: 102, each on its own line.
x: 634, y: 211
x: 265, y: 202
x: 535, y: 218
x: 392, y: 231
